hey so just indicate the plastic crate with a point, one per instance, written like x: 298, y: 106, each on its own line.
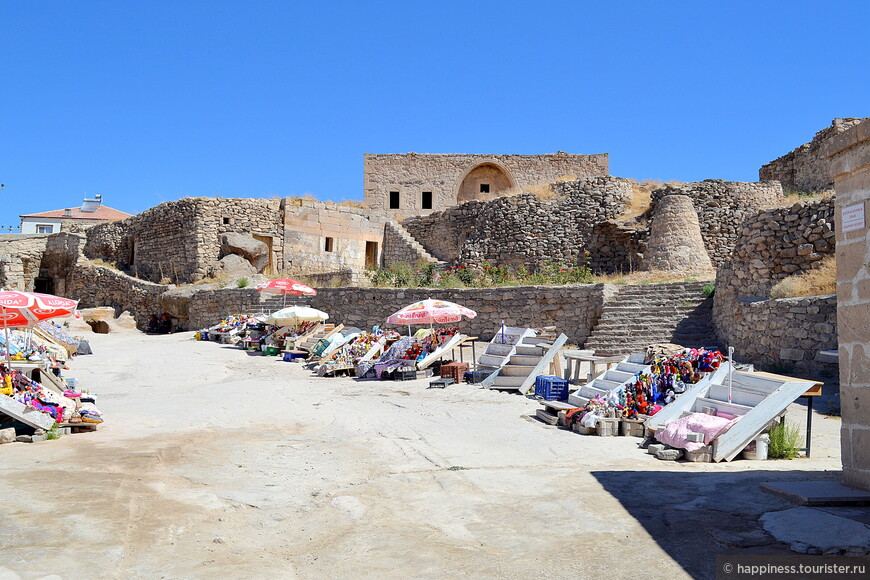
x: 475, y: 377
x: 551, y: 388
x: 455, y: 370
x: 404, y: 375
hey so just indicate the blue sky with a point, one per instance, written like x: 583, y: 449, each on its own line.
x: 145, y: 102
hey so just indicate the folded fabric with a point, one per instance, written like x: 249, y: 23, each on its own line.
x: 676, y: 433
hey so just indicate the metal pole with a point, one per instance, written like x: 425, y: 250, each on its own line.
x: 730, y: 370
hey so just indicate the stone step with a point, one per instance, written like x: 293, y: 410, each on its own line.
x: 524, y: 360
x: 525, y: 349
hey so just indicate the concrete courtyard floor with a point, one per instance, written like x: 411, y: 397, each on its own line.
x: 214, y: 462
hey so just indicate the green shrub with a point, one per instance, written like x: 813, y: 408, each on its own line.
x: 242, y: 282
x: 708, y: 290
x: 784, y: 438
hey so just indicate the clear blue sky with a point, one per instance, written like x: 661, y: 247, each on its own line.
x: 145, y: 102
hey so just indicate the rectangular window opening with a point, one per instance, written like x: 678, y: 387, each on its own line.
x: 327, y: 245
x: 226, y: 221
x: 427, y: 200
x: 484, y: 188
x: 41, y: 229
x: 394, y: 200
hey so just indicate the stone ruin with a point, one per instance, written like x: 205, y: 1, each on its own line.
x: 675, y: 241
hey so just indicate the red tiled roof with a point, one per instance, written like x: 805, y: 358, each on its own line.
x: 104, y: 212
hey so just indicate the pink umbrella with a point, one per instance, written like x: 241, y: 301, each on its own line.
x: 431, y: 311
x: 286, y: 286
x: 19, y: 309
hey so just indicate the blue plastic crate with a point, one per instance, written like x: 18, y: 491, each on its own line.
x: 551, y: 388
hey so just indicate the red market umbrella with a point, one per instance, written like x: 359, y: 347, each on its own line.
x: 286, y: 286
x: 19, y: 309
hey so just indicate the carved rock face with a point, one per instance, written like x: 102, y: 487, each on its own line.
x: 254, y: 251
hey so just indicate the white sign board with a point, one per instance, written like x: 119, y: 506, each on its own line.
x: 852, y: 218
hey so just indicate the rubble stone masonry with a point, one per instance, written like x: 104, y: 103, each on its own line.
x: 773, y: 245
x: 722, y: 207
x: 807, y: 168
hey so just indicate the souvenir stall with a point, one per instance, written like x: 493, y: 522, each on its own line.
x: 58, y: 401
x: 648, y: 392
x: 365, y: 347
x: 404, y: 354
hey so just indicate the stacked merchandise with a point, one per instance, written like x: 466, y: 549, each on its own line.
x: 70, y: 407
x: 405, y: 352
x: 349, y: 355
x: 647, y: 393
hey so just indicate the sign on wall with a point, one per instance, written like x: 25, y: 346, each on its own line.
x: 852, y: 218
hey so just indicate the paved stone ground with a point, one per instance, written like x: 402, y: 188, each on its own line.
x: 217, y: 463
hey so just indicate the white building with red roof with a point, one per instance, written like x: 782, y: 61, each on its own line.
x: 91, y: 212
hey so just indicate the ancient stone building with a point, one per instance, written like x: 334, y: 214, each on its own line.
x: 413, y: 184
x: 806, y: 168
x: 849, y: 157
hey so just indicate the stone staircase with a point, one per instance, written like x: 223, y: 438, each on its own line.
x: 400, y: 246
x: 638, y: 316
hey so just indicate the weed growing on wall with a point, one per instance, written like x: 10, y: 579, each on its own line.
x: 547, y: 273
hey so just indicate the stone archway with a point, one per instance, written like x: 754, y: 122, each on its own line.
x: 484, y: 181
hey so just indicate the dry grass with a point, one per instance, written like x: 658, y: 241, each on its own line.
x: 641, y: 199
x: 357, y: 203
x: 103, y: 263
x: 792, y: 197
x: 820, y: 280
x: 655, y: 277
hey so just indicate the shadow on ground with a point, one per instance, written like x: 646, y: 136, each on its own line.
x: 695, y: 516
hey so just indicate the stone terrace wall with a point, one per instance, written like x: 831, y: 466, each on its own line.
x: 806, y: 168
x: 786, y: 333
x: 20, y: 258
x: 180, y: 240
x: 772, y: 245
x: 722, y: 207
x: 100, y: 286
x: 524, y: 230
x: 573, y: 310
x: 411, y: 174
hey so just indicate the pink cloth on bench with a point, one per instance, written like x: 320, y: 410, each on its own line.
x: 676, y: 433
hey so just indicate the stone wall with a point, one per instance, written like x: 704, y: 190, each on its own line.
x: 20, y: 259
x: 525, y: 230
x: 785, y: 334
x: 807, y: 168
x: 444, y: 175
x: 96, y: 286
x: 522, y: 229
x: 849, y: 155
x: 326, y: 237
x: 773, y: 245
x: 443, y: 233
x: 617, y: 247
x: 400, y: 247
x: 573, y: 310
x: 180, y: 240
x: 722, y: 207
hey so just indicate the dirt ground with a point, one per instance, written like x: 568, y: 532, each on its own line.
x: 214, y: 462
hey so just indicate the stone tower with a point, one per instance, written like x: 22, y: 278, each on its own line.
x: 675, y: 241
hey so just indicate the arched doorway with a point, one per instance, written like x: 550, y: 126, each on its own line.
x: 484, y: 181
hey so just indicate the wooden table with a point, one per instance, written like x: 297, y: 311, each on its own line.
x: 573, y: 358
x: 812, y: 392
x: 460, y: 346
